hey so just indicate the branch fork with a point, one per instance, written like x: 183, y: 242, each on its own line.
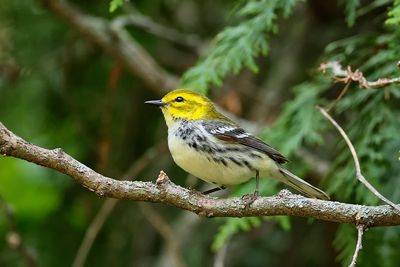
x: 339, y: 74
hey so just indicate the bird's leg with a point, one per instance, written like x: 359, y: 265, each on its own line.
x: 256, y: 192
x: 214, y: 190
x: 249, y: 199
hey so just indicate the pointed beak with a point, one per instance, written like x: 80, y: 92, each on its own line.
x: 156, y: 103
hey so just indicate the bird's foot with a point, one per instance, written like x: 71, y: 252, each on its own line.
x: 249, y: 199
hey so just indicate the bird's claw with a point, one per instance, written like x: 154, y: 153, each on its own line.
x: 249, y: 199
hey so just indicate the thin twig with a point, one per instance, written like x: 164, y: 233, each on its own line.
x: 109, y: 205
x: 353, y: 152
x: 220, y: 255
x: 92, y: 232
x: 342, y: 93
x: 14, y: 238
x: 360, y: 233
x: 339, y: 74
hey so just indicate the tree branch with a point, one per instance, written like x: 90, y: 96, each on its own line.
x: 164, y: 191
x: 339, y: 74
x: 117, y: 42
x: 146, y: 23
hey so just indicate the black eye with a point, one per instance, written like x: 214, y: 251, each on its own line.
x: 179, y: 99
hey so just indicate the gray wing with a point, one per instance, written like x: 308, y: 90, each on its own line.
x: 234, y: 134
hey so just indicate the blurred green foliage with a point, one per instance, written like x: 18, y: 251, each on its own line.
x: 238, y: 46
x: 59, y: 90
x: 394, y: 14
x: 37, y: 185
x: 114, y: 4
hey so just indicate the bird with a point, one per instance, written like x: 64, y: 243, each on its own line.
x: 212, y: 147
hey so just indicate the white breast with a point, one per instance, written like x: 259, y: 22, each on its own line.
x: 203, y: 166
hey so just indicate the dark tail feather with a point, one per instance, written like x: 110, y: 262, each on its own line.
x: 301, y: 185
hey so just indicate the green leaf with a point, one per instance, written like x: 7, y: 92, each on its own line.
x: 394, y: 14
x: 300, y: 122
x: 345, y: 241
x: 350, y: 10
x: 283, y: 221
x: 115, y: 4
x: 231, y: 227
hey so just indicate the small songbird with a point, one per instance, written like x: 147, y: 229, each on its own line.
x: 212, y: 147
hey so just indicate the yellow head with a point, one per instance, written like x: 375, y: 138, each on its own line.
x: 186, y: 105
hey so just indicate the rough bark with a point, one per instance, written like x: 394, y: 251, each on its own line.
x: 164, y: 191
